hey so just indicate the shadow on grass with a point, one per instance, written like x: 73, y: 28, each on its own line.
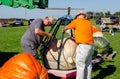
x: 4, y: 56
x: 109, y: 70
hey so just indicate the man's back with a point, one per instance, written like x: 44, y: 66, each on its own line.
x: 83, y: 30
x: 30, y: 36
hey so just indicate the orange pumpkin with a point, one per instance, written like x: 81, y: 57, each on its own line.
x: 23, y: 66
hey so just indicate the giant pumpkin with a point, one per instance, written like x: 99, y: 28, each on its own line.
x: 97, y: 32
x: 23, y: 66
x: 67, y: 56
x: 101, y: 45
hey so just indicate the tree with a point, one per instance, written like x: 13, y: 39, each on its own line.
x: 90, y: 15
x: 117, y: 14
x: 108, y: 14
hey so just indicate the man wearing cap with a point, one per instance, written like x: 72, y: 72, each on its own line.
x: 83, y: 34
x: 32, y: 38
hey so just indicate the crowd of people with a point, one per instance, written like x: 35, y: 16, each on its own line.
x: 112, y: 28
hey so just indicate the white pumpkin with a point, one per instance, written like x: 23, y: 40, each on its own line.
x: 98, y: 34
x: 67, y: 57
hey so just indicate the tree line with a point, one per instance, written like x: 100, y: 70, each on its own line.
x: 94, y: 15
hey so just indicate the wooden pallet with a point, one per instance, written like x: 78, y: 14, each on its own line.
x: 69, y: 74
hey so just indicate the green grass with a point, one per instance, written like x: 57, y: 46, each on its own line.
x: 10, y: 45
x: 110, y: 69
x: 10, y: 38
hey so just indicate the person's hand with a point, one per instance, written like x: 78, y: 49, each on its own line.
x: 45, y: 43
x: 49, y: 35
x: 63, y: 30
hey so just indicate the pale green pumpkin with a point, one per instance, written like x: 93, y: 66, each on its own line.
x: 101, y: 45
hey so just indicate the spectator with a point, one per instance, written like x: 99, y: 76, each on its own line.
x: 83, y: 33
x: 32, y: 38
x: 114, y: 29
x: 102, y: 26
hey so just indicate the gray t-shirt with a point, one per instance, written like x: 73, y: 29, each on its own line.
x: 30, y: 38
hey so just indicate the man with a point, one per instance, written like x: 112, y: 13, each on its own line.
x: 83, y: 33
x: 102, y: 26
x: 32, y: 38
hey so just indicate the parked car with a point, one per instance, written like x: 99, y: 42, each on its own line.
x: 30, y: 21
x: 114, y: 19
x: 18, y: 22
x: 3, y: 22
x: 110, y: 20
x: 98, y: 21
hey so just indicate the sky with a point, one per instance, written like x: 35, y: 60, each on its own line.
x: 88, y: 5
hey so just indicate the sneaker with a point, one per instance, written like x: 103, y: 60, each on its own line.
x: 112, y: 34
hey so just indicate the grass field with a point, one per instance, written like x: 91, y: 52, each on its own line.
x: 10, y: 45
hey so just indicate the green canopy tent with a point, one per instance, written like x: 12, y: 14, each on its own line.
x: 30, y: 4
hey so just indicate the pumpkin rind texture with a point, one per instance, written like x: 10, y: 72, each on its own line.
x: 67, y: 56
x: 23, y: 66
x: 101, y: 44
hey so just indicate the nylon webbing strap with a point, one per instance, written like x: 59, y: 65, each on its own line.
x: 54, y: 29
x: 61, y: 45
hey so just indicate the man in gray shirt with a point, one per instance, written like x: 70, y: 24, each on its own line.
x: 32, y: 38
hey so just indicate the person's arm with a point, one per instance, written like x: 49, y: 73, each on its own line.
x: 42, y: 33
x: 119, y: 27
x: 65, y: 28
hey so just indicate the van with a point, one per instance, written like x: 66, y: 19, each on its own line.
x: 18, y: 22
